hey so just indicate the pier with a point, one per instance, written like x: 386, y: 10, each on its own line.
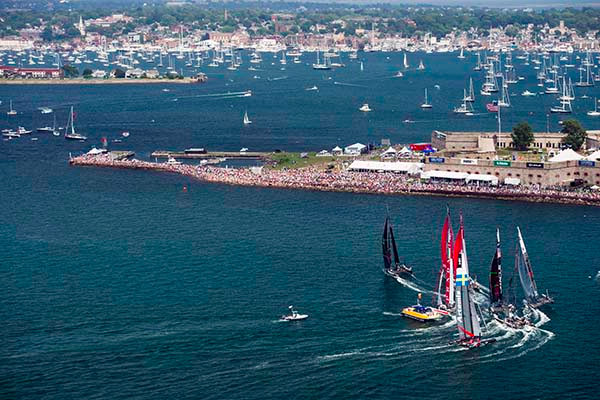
x: 246, y: 155
x: 344, y: 181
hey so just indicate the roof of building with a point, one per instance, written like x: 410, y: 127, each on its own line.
x: 386, y: 166
x: 566, y: 155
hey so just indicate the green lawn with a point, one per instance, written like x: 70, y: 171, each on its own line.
x: 293, y: 160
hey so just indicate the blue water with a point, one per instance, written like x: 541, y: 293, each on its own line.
x: 117, y: 284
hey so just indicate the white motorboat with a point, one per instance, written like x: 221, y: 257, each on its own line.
x: 312, y: 88
x: 293, y: 316
x: 527, y: 93
x: 365, y: 108
x: 173, y: 161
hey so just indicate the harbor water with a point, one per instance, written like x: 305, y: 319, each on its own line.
x: 120, y: 284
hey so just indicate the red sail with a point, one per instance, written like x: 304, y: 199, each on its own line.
x: 447, y: 255
x: 458, y: 242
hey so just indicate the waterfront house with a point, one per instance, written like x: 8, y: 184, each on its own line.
x: 337, y: 151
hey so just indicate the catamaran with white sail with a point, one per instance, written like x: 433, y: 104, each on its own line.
x: 445, y: 280
x: 523, y: 266
x: 467, y: 319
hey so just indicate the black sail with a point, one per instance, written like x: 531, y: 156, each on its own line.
x: 394, y: 248
x: 496, y: 274
x: 385, y: 245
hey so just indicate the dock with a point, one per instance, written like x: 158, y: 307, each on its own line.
x: 121, y: 154
x: 246, y: 155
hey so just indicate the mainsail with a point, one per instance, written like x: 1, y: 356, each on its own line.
x: 523, y: 265
x: 496, y: 274
x: 394, y: 248
x: 447, y: 262
x: 385, y: 245
x: 466, y: 315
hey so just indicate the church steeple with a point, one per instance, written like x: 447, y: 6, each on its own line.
x: 81, y: 26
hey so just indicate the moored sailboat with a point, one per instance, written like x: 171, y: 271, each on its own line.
x: 72, y: 135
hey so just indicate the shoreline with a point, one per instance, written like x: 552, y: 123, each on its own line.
x: 349, y: 182
x: 81, y: 81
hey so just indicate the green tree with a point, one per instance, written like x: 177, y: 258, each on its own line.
x: 575, y: 134
x: 70, y: 71
x: 47, y: 34
x: 522, y: 136
x: 119, y: 73
x: 87, y: 73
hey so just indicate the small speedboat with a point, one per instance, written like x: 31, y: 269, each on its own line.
x: 365, y: 108
x: 527, y: 93
x: 293, y: 315
x: 125, y: 134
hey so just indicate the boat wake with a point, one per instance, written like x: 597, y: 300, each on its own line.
x: 349, y: 84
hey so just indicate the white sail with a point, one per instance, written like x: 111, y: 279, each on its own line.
x: 523, y: 266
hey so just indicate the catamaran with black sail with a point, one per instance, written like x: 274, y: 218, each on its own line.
x: 467, y: 320
x: 502, y: 311
x: 522, y: 264
x: 393, y: 267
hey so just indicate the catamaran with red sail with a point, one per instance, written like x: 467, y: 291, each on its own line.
x: 445, y: 281
x: 392, y: 266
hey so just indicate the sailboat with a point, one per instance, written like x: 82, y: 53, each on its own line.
x: 71, y: 123
x: 405, y: 62
x: 362, y: 67
x: 426, y: 104
x: 522, y: 264
x: 392, y: 266
x: 462, y: 54
x: 421, y: 66
x: 11, y: 111
x: 465, y: 107
x: 246, y: 119
x: 321, y: 66
x: 594, y: 113
x: 478, y: 65
x: 505, y: 99
x: 471, y: 96
x: 467, y: 320
x: 446, y: 275
x: 565, y: 103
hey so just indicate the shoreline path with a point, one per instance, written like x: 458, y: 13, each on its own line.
x: 354, y: 182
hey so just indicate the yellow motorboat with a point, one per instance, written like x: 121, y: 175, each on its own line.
x: 421, y: 313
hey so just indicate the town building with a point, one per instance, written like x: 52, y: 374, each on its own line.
x: 30, y: 73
